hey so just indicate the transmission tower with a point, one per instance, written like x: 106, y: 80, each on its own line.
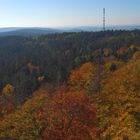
x: 104, y: 20
x: 100, y: 56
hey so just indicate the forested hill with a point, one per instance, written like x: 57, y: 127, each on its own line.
x: 70, y: 86
x: 26, y: 62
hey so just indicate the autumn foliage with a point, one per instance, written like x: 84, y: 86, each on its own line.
x: 72, y: 117
x: 119, y: 103
x: 7, y: 102
x: 83, y: 78
x: 67, y: 115
x: 8, y: 90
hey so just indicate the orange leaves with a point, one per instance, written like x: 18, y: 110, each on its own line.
x: 70, y: 114
x: 136, y: 55
x: 122, y: 51
x: 32, y: 67
x: 107, y: 52
x: 66, y: 115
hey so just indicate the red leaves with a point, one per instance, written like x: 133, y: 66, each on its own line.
x: 62, y: 115
x: 71, y: 115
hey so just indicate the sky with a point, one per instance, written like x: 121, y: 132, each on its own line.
x: 68, y: 13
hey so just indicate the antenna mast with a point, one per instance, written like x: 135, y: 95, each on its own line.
x: 100, y: 56
x: 104, y: 19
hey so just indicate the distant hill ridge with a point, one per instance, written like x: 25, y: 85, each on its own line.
x: 29, y: 31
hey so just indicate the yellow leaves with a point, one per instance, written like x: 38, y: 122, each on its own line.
x: 27, y: 122
x: 120, y: 125
x: 119, y: 101
x: 82, y: 78
x: 71, y: 114
x: 41, y: 78
x: 8, y: 90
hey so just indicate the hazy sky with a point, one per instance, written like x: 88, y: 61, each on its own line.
x: 58, y: 13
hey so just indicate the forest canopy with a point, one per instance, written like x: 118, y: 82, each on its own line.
x: 70, y: 86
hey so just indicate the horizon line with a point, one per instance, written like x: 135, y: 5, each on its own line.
x: 111, y: 25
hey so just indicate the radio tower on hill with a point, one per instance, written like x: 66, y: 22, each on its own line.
x: 104, y: 20
x: 100, y: 57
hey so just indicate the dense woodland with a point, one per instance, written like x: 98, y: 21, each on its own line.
x: 70, y: 86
